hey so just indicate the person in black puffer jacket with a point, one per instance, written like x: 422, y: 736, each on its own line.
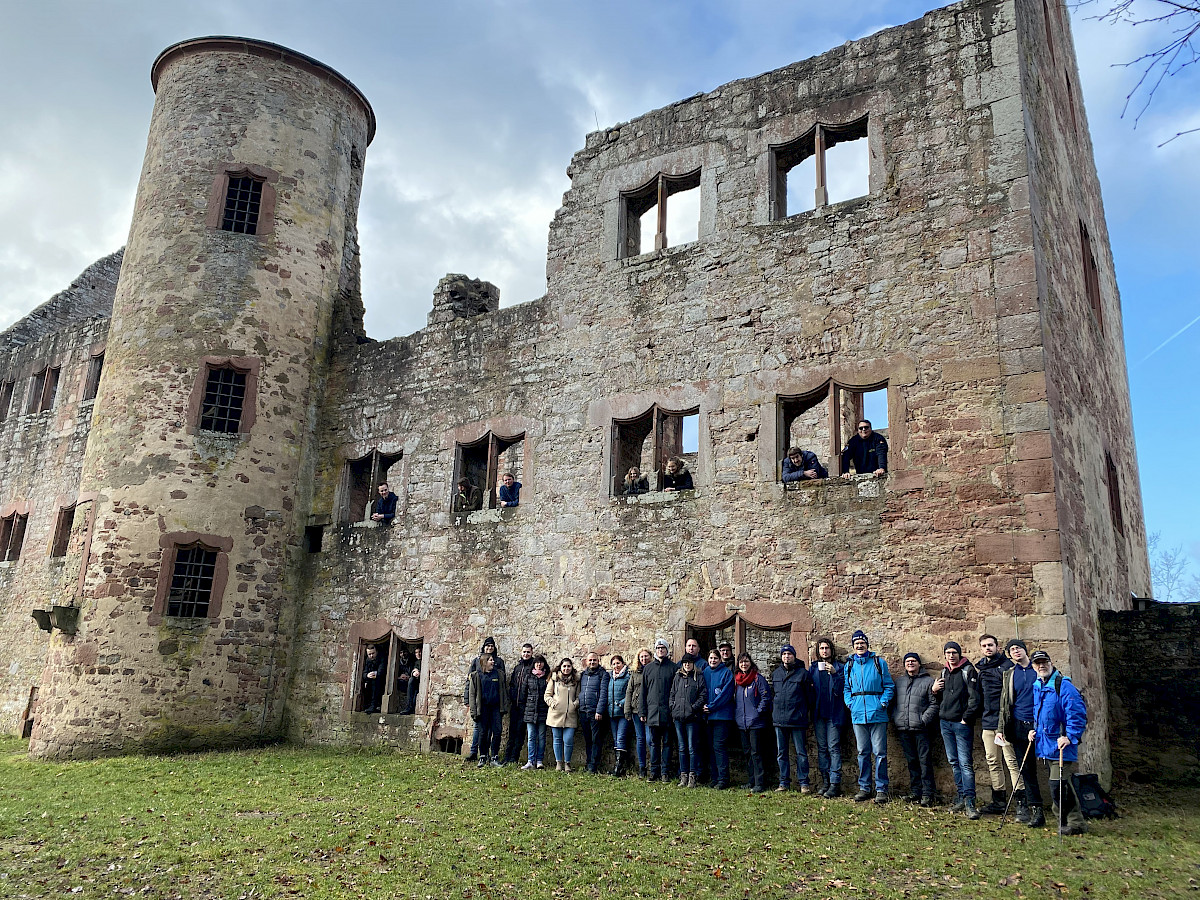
x: 960, y: 703
x: 516, y: 711
x: 593, y: 694
x: 991, y: 668
x: 916, y: 708
x: 688, y: 696
x: 795, y: 698
x: 656, y: 709
x: 531, y: 699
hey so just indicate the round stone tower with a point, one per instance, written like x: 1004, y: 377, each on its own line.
x: 240, y: 271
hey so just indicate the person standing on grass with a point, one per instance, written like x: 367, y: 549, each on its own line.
x: 1061, y: 717
x: 915, y: 711
x: 793, y: 698
x: 959, y: 705
x: 488, y: 701
x: 700, y: 764
x: 1000, y: 757
x: 688, y: 696
x: 516, y: 715
x: 532, y: 701
x: 593, y: 692
x: 488, y: 649
x: 867, y: 692
x: 752, y: 705
x: 1016, y: 721
x: 614, y: 708
x: 633, y: 707
x: 656, y: 709
x: 562, y: 698
x: 719, y: 686
x: 830, y: 715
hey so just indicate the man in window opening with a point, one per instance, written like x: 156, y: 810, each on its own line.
x: 802, y: 465
x: 488, y: 649
x: 676, y: 476
x: 509, y: 493
x: 403, y: 672
x: 373, y: 672
x: 383, y: 509
x: 468, y: 498
x: 635, y: 483
x: 867, y: 451
x: 487, y: 700
x: 516, y: 716
x: 414, y: 683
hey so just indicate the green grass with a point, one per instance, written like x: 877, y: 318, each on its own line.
x: 281, y: 822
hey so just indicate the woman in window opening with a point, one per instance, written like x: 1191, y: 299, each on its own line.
x: 830, y: 716
x: 718, y: 680
x: 562, y: 698
x: 618, y: 687
x: 468, y: 498
x: 414, y: 682
x: 750, y: 712
x: 688, y: 698
x: 531, y: 697
x: 633, y: 705
x: 635, y: 483
x: 676, y: 476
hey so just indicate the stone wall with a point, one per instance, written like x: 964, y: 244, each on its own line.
x: 1152, y: 668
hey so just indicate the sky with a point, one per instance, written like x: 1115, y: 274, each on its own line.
x: 482, y: 104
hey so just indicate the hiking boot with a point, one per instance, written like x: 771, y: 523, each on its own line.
x: 927, y: 801
x: 1072, y: 829
x: 782, y: 787
x: 692, y: 780
x: 881, y: 796
x: 958, y: 805
x: 863, y: 794
x: 683, y: 779
x: 1022, y: 813
x: 1037, y: 817
x: 997, y: 806
x: 834, y: 790
x: 969, y: 808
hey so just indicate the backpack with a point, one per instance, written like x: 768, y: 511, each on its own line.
x: 1094, y: 801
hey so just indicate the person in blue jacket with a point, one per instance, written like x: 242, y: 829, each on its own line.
x: 593, y: 700
x: 618, y: 686
x: 868, y: 691
x: 752, y: 705
x: 793, y: 698
x: 802, y: 465
x: 509, y: 492
x: 830, y: 715
x: 1060, y: 716
x: 719, y: 682
x: 383, y: 509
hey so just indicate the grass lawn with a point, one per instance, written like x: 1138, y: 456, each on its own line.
x: 282, y: 822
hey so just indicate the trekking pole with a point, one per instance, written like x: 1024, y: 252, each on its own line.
x: 1021, y: 778
x: 1060, y: 796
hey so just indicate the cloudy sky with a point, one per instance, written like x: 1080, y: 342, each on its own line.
x: 480, y: 107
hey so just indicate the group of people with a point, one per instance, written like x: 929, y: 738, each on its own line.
x: 374, y: 678
x: 1028, y: 711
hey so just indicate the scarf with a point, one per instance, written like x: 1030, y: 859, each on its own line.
x: 745, y: 679
x: 962, y: 661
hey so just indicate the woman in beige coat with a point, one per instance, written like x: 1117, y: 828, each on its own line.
x: 562, y: 696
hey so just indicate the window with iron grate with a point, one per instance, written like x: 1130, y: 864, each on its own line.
x: 192, y: 582
x: 224, y: 398
x: 243, y: 202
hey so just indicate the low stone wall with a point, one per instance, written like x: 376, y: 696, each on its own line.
x: 1152, y: 664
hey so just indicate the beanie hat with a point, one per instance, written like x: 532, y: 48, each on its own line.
x: 912, y: 655
x: 1015, y: 642
x: 859, y: 635
x: 952, y: 645
x: 788, y: 648
x: 661, y: 643
x: 687, y: 658
x: 486, y: 641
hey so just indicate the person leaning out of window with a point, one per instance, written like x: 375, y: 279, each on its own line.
x: 467, y: 498
x: 676, y: 476
x: 867, y: 451
x: 802, y: 465
x: 635, y: 483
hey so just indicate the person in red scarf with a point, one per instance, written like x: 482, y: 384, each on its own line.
x: 752, y: 698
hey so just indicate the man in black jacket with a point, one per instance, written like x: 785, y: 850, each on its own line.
x: 959, y: 706
x: 656, y: 709
x: 383, y: 509
x: 916, y: 708
x: 374, y: 671
x: 795, y: 696
x: 516, y: 715
x: 867, y: 451
x: 488, y: 649
x: 991, y: 667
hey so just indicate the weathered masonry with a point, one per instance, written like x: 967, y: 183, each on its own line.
x: 721, y: 284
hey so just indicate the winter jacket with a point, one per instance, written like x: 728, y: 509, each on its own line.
x: 474, y: 668
x: 865, y: 455
x: 509, y: 495
x: 633, y: 487
x: 961, y: 700
x: 808, y: 460
x: 916, y: 704
x: 1016, y: 680
x: 468, y: 502
x: 618, y: 687
x: 521, y: 671
x: 793, y: 696
x: 680, y: 481
x: 752, y: 704
x: 656, y: 691
x: 991, y: 677
x: 386, y: 507
x: 532, y: 699
x: 718, y: 684
x: 868, y: 688
x: 475, y: 690
x: 633, y: 695
x: 688, y: 696
x: 1058, y: 709
x: 593, y: 690
x: 563, y: 699
x: 831, y: 703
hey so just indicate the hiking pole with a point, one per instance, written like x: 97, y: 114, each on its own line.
x: 1060, y: 796
x: 1021, y: 778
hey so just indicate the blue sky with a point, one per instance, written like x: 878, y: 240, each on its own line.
x: 481, y: 106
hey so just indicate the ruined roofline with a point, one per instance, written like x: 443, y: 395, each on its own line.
x: 64, y: 308
x: 268, y: 50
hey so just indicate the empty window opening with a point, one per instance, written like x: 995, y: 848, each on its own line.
x: 1071, y: 104
x: 711, y: 637
x: 761, y: 642
x: 450, y: 745
x: 12, y: 536
x: 649, y: 222
x: 62, y: 531
x: 360, y: 479
x: 828, y: 164
x: 1114, y: 494
x: 314, y: 535
x: 42, y: 389
x: 482, y: 462
x: 824, y: 420
x: 243, y: 200
x: 1091, y: 275
x: 650, y: 440
x: 6, y: 396
x: 224, y: 396
x: 91, y: 383
x: 192, y: 582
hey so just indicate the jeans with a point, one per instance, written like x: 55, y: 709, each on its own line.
x: 920, y: 763
x: 564, y: 744
x: 593, y: 738
x: 754, y: 763
x: 660, y: 750
x: 536, y: 739
x: 619, y: 726
x: 829, y: 750
x: 872, y: 738
x: 639, y: 731
x: 686, y: 733
x: 516, y: 718
x: 489, y: 726
x: 959, y: 739
x: 719, y: 729
x: 797, y: 737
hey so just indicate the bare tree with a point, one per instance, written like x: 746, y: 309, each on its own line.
x: 1169, y: 572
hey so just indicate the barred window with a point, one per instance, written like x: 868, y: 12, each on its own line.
x: 243, y: 200
x: 224, y: 397
x: 192, y: 582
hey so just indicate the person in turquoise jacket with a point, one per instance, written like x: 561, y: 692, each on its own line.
x: 718, y: 680
x: 1060, y: 716
x: 868, y: 690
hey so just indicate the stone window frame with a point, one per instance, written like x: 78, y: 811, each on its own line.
x: 43, y: 389
x: 716, y: 615
x: 813, y: 143
x: 507, y: 428
x: 637, y: 202
x: 89, y: 385
x: 377, y: 453
x: 14, y: 527
x: 660, y: 453
x: 219, y: 189
x: 7, y: 388
x: 251, y: 367
x: 1113, y: 483
x: 170, y: 544
x: 832, y: 394
x: 377, y: 632
x: 64, y: 522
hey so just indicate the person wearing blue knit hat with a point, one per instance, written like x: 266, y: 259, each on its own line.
x: 868, y: 690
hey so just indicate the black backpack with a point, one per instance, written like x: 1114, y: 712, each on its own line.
x: 1094, y: 801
